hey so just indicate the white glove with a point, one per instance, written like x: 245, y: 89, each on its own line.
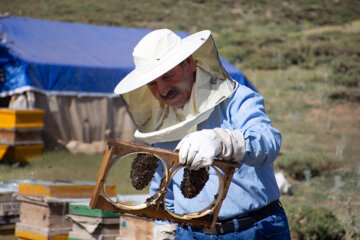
x: 199, y: 149
x: 165, y: 232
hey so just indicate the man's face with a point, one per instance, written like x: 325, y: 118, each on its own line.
x: 174, y: 87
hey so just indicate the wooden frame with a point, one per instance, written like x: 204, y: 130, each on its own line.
x: 155, y: 208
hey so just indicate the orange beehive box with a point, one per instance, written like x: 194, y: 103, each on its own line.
x: 62, y: 189
x: 24, y: 118
x: 20, y: 153
x: 30, y: 232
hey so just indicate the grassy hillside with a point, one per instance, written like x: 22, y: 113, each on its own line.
x: 190, y: 15
x: 303, y: 56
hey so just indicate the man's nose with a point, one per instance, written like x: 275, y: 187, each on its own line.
x: 163, y: 87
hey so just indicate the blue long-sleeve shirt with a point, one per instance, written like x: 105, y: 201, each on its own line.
x: 253, y: 185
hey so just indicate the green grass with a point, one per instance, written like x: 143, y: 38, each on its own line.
x: 61, y: 165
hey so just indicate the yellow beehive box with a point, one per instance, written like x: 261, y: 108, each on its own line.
x: 62, y: 190
x: 30, y: 232
x: 20, y: 153
x: 24, y: 118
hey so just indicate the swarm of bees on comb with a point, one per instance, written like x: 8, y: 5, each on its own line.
x: 143, y: 169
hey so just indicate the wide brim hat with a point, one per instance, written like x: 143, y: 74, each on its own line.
x: 157, y: 53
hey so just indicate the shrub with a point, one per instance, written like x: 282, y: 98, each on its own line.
x: 266, y: 58
x: 295, y: 165
x: 351, y: 95
x: 310, y: 222
x: 236, y: 54
x: 346, y: 72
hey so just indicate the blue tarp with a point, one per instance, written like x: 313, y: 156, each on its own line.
x: 69, y: 58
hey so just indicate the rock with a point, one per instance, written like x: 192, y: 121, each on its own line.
x: 87, y: 148
x: 283, y: 184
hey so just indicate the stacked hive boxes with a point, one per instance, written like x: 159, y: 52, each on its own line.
x: 92, y: 224
x: 20, y: 134
x: 44, y: 206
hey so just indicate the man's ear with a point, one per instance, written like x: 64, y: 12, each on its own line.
x: 191, y: 63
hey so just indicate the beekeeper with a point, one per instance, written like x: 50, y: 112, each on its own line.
x: 180, y: 97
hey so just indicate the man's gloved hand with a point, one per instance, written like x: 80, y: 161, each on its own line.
x: 165, y: 232
x: 199, y: 149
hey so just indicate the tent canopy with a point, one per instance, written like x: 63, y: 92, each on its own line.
x: 69, y: 58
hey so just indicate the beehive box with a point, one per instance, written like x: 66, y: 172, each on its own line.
x: 8, y: 203
x: 20, y: 134
x: 134, y: 227
x: 9, y: 208
x: 43, y: 213
x: 31, y: 232
x: 44, y: 206
x: 92, y: 223
x: 62, y: 189
x: 25, y: 118
x: 20, y: 153
x: 83, y: 209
